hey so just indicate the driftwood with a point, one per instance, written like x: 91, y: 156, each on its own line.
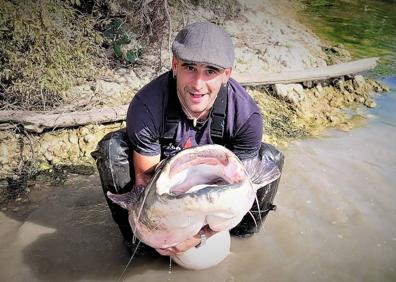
x: 321, y: 73
x: 38, y: 121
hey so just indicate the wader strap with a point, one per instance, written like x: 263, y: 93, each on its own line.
x: 173, y: 113
x: 217, y: 126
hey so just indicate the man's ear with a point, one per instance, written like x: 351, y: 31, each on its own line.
x: 175, y: 62
x: 227, y: 75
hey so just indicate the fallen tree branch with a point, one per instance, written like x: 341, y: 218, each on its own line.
x: 321, y: 73
x: 36, y: 122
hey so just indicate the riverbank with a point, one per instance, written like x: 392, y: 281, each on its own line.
x: 266, y: 37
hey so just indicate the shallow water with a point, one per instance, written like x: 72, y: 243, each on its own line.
x: 336, y: 221
x: 366, y: 27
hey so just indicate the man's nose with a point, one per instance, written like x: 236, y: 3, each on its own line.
x: 198, y: 81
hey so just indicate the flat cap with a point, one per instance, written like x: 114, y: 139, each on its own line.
x: 206, y: 43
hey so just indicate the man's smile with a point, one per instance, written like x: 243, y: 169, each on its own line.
x: 196, y: 97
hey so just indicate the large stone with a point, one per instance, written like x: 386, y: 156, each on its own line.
x: 370, y: 103
x: 359, y: 81
x: 73, y: 138
x: 90, y: 138
x: 293, y: 93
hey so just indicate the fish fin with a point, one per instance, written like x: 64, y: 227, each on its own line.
x: 123, y: 200
x: 261, y: 172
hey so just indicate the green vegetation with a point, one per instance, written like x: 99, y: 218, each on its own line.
x: 45, y: 47
x: 120, y: 39
x: 366, y: 28
x: 48, y: 46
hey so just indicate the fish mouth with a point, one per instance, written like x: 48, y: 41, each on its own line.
x: 198, y: 168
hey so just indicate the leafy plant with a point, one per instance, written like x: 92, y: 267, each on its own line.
x: 125, y: 46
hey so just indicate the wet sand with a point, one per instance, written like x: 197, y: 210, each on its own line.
x: 336, y: 221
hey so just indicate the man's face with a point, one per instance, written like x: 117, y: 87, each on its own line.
x: 198, y: 85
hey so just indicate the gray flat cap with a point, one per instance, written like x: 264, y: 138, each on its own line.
x: 206, y: 43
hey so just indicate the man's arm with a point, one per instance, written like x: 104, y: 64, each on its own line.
x: 144, y: 167
x: 246, y: 144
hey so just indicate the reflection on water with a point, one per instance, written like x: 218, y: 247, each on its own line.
x: 336, y: 219
x: 366, y: 27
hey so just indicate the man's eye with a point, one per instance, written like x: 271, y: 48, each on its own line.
x: 189, y: 68
x: 211, y: 72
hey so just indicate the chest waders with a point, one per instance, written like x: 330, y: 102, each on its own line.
x: 113, y: 157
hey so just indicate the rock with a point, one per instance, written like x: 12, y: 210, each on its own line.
x: 347, y: 96
x: 132, y: 81
x: 339, y: 84
x: 292, y: 93
x: 331, y: 118
x: 84, y: 131
x: 110, y: 89
x: 73, y: 138
x: 90, y: 138
x: 319, y: 88
x: 121, y: 71
x: 308, y: 84
x: 48, y: 156
x: 336, y: 101
x: 359, y: 99
x: 73, y: 153
x: 348, y: 86
x: 370, y: 103
x: 359, y: 81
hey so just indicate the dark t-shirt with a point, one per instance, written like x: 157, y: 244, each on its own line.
x: 146, y: 115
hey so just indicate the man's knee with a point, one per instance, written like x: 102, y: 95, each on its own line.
x: 115, y: 167
x: 269, y: 152
x: 113, y: 160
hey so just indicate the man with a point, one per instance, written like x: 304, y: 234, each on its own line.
x: 195, y: 103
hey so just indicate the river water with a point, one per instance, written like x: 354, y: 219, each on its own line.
x: 366, y: 27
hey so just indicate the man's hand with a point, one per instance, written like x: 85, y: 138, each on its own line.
x: 187, y: 244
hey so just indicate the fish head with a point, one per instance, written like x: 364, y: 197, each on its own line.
x: 195, y: 168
